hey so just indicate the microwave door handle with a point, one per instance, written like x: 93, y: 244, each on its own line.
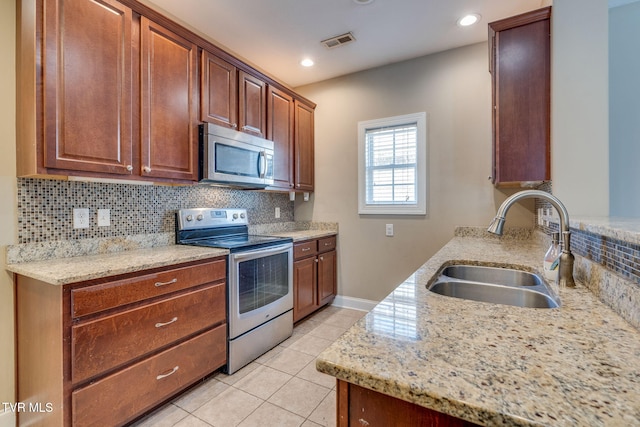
x: 262, y: 164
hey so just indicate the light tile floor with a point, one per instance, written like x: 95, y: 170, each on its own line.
x: 281, y: 388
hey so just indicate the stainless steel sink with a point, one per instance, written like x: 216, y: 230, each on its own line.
x: 494, y: 285
x: 495, y: 275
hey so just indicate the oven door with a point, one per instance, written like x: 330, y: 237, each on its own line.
x: 260, y: 287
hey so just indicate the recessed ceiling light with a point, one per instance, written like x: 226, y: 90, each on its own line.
x: 362, y: 2
x: 306, y: 62
x: 469, y: 19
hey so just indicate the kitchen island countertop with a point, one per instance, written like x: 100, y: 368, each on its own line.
x: 495, y: 364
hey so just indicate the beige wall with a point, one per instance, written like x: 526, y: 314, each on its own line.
x: 580, y: 106
x: 8, y: 205
x: 454, y: 88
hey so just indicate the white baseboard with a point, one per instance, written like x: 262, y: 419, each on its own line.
x: 354, y: 303
x: 7, y: 419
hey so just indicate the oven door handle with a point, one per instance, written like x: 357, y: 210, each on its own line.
x: 271, y: 250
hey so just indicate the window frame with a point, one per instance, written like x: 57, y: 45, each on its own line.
x: 420, y: 207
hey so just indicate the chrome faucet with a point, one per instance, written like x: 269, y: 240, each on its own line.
x: 565, y: 268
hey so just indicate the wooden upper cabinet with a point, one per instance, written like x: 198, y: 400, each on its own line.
x: 169, y: 146
x: 86, y: 77
x: 111, y: 88
x: 219, y: 91
x: 304, y: 147
x: 253, y: 104
x: 519, y: 50
x: 280, y: 128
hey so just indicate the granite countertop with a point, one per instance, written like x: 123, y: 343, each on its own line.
x: 300, y: 235
x: 494, y: 364
x: 64, y: 262
x: 62, y: 271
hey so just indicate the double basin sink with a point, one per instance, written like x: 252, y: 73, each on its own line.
x: 494, y: 285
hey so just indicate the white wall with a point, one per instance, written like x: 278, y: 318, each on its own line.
x: 8, y: 205
x: 454, y: 88
x: 624, y: 110
x: 579, y: 106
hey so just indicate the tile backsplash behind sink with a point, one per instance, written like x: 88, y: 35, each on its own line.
x: 45, y: 207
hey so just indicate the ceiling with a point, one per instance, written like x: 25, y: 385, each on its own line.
x: 275, y: 35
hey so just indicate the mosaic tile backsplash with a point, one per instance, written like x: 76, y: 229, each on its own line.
x: 45, y: 207
x: 613, y: 254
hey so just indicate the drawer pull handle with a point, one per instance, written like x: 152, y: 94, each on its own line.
x: 327, y: 244
x: 306, y: 249
x: 173, y: 371
x: 160, y: 325
x: 158, y: 284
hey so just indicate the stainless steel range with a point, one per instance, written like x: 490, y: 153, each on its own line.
x: 259, y: 277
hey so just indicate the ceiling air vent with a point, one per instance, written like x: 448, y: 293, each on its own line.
x: 338, y: 40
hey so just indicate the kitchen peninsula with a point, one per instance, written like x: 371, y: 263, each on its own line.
x: 488, y: 364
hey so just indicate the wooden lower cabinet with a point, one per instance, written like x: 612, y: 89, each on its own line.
x: 358, y: 406
x: 119, y: 399
x: 106, y: 351
x: 315, y: 275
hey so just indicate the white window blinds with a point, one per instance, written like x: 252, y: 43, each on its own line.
x: 391, y: 155
x: 392, y: 165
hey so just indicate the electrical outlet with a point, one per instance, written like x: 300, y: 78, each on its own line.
x: 104, y: 217
x: 277, y: 212
x: 81, y: 218
x: 389, y: 230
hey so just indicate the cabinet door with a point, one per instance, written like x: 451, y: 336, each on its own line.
x: 304, y: 156
x: 327, y: 277
x: 169, y: 109
x: 87, y: 75
x: 520, y: 65
x: 253, y: 103
x: 219, y: 91
x: 304, y: 288
x: 358, y: 406
x: 280, y: 115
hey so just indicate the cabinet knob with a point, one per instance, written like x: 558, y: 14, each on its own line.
x: 129, y: 168
x: 234, y: 125
x: 146, y: 169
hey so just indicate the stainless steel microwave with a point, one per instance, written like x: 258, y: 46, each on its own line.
x: 235, y: 158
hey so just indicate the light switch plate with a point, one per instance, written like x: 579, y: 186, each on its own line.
x: 389, y: 230
x: 104, y: 217
x: 81, y: 218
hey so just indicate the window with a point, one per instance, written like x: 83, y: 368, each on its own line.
x: 392, y: 165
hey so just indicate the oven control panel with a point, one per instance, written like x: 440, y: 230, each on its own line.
x: 191, y: 219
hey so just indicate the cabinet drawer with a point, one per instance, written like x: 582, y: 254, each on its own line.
x: 304, y: 249
x: 327, y: 244
x: 123, y: 396
x: 110, y: 341
x: 93, y: 299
